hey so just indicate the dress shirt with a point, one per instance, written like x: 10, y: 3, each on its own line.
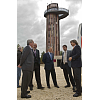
x: 74, y: 46
x: 30, y: 47
x: 35, y: 52
x: 50, y: 55
x: 65, y: 57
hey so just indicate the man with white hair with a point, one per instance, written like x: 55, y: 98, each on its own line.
x: 27, y: 65
x: 19, y: 53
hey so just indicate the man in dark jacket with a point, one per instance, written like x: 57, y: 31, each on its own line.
x: 19, y: 53
x: 66, y: 66
x: 76, y: 64
x: 36, y: 68
x: 49, y: 67
x: 27, y: 65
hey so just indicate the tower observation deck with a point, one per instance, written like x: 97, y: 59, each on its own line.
x: 53, y: 14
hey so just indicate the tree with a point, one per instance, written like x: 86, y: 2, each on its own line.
x: 22, y: 48
x: 17, y: 46
x: 42, y: 57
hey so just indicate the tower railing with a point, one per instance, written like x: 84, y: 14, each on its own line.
x: 56, y: 9
x: 62, y: 12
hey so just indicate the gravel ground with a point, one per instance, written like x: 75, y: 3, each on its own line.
x: 50, y: 94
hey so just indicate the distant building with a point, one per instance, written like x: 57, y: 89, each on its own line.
x: 53, y: 14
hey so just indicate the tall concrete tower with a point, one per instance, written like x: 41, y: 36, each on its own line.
x: 53, y: 14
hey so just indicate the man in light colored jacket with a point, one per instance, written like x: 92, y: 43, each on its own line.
x: 66, y: 66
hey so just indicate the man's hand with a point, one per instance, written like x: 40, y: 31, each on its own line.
x: 19, y: 66
x: 70, y: 58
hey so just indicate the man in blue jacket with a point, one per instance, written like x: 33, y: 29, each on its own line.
x: 49, y: 67
x: 76, y: 64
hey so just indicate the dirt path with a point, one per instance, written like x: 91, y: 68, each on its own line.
x: 53, y: 93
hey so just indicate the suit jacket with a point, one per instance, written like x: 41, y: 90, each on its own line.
x: 37, y: 58
x: 19, y: 53
x: 69, y: 62
x: 47, y: 61
x: 76, y: 57
x: 27, y: 59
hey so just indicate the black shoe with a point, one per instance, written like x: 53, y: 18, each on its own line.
x: 76, y: 91
x: 41, y: 88
x: 67, y: 86
x: 76, y: 95
x: 74, y: 88
x: 18, y: 86
x: 57, y: 86
x: 31, y: 88
x: 48, y: 87
x: 27, y: 96
x: 81, y: 89
x: 28, y: 91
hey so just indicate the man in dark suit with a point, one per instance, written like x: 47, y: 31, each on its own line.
x: 19, y: 53
x: 66, y: 66
x: 36, y: 68
x: 76, y: 64
x: 27, y: 65
x: 49, y: 67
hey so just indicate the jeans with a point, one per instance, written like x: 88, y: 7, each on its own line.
x: 18, y: 75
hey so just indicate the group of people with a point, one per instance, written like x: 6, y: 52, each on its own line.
x: 29, y: 61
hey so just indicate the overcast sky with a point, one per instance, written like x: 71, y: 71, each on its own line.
x: 31, y: 23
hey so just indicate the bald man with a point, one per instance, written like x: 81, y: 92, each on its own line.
x: 49, y: 67
x: 36, y: 68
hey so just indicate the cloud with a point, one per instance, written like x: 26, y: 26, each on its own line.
x: 31, y: 25
x: 65, y: 38
x: 69, y: 25
x: 74, y: 6
x: 28, y: 25
x: 68, y: 30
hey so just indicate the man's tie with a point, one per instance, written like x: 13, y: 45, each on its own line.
x: 64, y: 57
x: 35, y: 52
x: 32, y: 50
x: 51, y: 56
